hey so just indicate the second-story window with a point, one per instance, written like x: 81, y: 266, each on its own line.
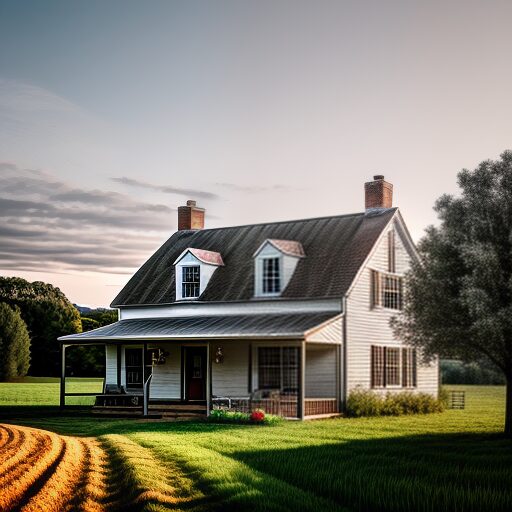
x: 190, y: 282
x: 386, y: 290
x: 271, y: 275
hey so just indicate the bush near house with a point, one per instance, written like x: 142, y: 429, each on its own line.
x: 257, y: 416
x: 368, y: 403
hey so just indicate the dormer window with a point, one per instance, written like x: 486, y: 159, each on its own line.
x: 190, y: 281
x: 193, y: 270
x: 271, y: 276
x: 274, y: 265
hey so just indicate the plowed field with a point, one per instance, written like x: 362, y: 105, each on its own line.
x: 43, y: 471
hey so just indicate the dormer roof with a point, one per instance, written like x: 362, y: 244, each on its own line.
x: 209, y: 257
x: 289, y: 247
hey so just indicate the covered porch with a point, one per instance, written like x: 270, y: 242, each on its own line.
x: 288, y: 365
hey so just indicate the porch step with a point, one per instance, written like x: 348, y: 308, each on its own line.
x: 178, y: 411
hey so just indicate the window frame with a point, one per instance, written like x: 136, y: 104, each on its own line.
x: 405, y: 362
x: 189, y: 283
x: 286, y: 373
x: 277, y: 277
x: 382, y: 294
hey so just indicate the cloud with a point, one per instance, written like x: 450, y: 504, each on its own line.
x: 48, y: 224
x: 165, y: 188
x: 253, y: 189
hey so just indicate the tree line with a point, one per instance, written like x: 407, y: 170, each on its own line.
x: 32, y: 317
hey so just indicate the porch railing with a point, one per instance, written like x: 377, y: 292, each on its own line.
x: 284, y: 406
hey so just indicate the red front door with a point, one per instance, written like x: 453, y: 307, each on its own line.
x: 195, y: 373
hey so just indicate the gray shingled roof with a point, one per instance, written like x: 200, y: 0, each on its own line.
x: 335, y: 249
x: 192, y: 327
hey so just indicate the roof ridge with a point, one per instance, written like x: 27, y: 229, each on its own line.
x: 384, y: 210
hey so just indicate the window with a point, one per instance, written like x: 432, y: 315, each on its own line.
x: 392, y: 361
x: 278, y: 368
x: 389, y: 369
x: 386, y: 290
x: 409, y: 367
x: 271, y: 275
x: 190, y: 282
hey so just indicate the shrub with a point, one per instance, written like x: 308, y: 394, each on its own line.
x: 363, y: 403
x: 258, y: 416
x: 368, y: 403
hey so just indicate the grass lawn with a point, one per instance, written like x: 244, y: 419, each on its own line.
x: 46, y: 391
x: 456, y: 460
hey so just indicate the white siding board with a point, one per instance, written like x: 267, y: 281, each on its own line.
x: 252, y: 307
x: 366, y: 326
x: 111, y: 364
x: 329, y: 333
x: 231, y: 377
x: 320, y: 371
x: 166, y: 380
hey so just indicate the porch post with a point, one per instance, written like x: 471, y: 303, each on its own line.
x: 339, y: 379
x: 118, y: 365
x: 208, y: 380
x: 145, y: 395
x: 62, y: 376
x: 301, y: 396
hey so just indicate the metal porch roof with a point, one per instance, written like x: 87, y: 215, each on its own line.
x: 287, y: 326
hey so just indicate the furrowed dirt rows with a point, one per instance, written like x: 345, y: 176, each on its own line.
x: 43, y: 471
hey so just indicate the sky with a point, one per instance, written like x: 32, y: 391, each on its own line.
x: 114, y: 113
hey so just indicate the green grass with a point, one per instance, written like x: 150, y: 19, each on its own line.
x: 456, y: 460
x: 45, y: 391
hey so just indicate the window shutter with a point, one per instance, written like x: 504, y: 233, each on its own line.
x: 391, y: 252
x: 375, y: 289
x: 377, y: 366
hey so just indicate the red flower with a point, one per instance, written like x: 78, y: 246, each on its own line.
x: 257, y: 416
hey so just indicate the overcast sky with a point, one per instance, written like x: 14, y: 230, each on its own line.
x: 113, y: 113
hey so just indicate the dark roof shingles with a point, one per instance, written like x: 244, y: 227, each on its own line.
x: 335, y: 249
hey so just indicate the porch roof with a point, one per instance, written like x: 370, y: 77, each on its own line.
x: 265, y: 326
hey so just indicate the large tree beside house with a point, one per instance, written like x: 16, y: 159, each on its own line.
x: 459, y: 293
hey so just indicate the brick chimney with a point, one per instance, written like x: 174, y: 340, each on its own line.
x: 378, y: 193
x: 190, y: 216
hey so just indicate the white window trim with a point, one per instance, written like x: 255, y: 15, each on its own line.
x: 182, y: 269
x: 262, y: 260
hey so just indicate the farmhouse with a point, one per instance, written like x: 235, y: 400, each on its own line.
x: 287, y: 316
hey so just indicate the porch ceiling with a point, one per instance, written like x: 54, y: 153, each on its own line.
x: 279, y: 326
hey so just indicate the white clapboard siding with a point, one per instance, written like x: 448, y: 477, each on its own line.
x: 231, y: 377
x: 330, y: 332
x: 367, y: 326
x: 111, y: 364
x: 320, y: 371
x: 166, y: 380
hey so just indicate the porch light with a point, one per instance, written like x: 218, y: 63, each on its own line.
x: 219, y: 355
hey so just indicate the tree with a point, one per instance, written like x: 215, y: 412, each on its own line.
x: 14, y: 343
x: 459, y: 295
x: 48, y: 315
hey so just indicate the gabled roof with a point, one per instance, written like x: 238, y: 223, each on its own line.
x: 336, y: 247
x: 210, y: 257
x: 290, y: 247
